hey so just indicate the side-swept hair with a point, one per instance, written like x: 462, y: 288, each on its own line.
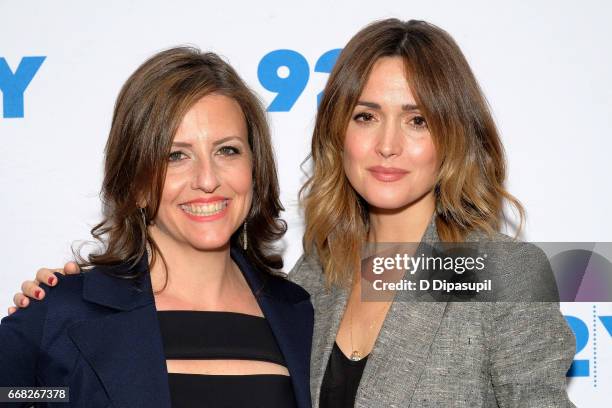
x: 147, y: 114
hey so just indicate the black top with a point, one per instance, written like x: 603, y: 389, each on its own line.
x: 226, y: 336
x: 341, y: 380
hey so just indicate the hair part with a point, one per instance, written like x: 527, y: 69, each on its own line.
x: 469, y: 189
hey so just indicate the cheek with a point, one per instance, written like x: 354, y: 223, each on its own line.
x: 356, y: 149
x: 239, y: 179
x: 174, y: 184
x: 242, y: 179
x: 243, y: 187
x: 423, y: 157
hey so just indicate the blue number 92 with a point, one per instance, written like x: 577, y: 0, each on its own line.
x: 289, y: 87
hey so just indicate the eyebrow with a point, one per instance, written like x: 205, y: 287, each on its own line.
x: 216, y: 142
x: 227, y: 139
x: 373, y: 105
x: 181, y: 144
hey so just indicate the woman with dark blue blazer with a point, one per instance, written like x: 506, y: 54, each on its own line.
x: 99, y: 335
x: 182, y: 306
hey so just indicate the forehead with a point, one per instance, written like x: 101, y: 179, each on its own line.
x: 213, y: 116
x: 387, y: 81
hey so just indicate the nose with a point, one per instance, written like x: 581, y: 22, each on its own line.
x: 389, y: 142
x: 205, y: 176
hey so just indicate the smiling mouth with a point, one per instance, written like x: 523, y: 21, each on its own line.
x: 205, y: 209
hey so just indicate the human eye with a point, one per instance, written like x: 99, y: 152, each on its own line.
x: 363, y: 117
x: 228, y: 150
x: 418, y: 122
x: 176, y: 156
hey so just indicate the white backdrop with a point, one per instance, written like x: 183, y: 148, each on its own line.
x: 544, y: 66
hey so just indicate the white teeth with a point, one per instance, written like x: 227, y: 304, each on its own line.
x: 204, y: 210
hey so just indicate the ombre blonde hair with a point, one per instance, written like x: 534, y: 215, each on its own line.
x: 469, y: 189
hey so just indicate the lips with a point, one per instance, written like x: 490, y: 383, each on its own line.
x: 387, y: 174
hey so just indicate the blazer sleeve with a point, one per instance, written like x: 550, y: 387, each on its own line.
x: 531, y: 345
x: 20, y: 341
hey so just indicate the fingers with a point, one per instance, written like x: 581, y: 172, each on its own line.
x: 71, y: 268
x: 46, y: 276
x: 20, y: 300
x: 12, y: 310
x: 31, y: 289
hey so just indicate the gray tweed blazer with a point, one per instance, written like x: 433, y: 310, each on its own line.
x: 452, y: 354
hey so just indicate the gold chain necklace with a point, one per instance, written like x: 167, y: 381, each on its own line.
x: 355, y: 354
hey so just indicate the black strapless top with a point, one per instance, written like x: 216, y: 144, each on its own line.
x: 195, y: 335
x: 341, y: 380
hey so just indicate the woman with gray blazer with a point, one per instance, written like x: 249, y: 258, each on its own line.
x: 405, y: 150
x: 450, y: 354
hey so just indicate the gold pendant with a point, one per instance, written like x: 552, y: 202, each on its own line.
x: 355, y: 356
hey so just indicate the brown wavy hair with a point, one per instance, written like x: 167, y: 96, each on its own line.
x: 147, y: 113
x: 469, y: 189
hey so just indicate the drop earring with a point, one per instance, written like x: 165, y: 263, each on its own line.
x: 245, y: 239
x: 144, y: 221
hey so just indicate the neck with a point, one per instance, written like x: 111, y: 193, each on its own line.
x: 200, y: 278
x: 406, y: 224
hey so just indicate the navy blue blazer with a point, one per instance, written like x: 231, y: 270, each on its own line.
x: 99, y: 335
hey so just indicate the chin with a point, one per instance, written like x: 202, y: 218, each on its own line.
x: 392, y: 200
x: 209, y: 245
x: 209, y: 242
x: 387, y: 200
x: 387, y: 205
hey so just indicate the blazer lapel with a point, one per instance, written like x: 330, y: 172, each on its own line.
x: 409, y: 329
x: 125, y: 351
x: 291, y: 322
x: 124, y: 348
x: 292, y: 328
x: 394, y: 367
x: 400, y: 353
